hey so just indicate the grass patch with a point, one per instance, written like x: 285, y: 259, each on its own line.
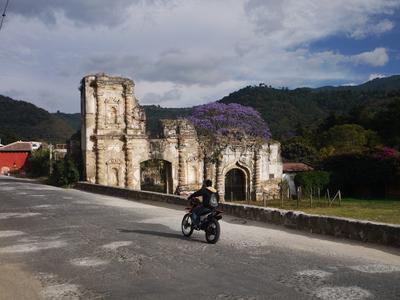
x: 386, y: 211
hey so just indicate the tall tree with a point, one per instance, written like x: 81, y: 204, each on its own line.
x: 349, y: 138
x: 221, y: 125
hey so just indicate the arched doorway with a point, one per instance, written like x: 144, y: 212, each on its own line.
x: 156, y: 176
x: 235, y: 185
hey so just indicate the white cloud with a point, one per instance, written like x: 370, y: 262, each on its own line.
x: 375, y: 76
x: 350, y: 84
x: 88, y: 12
x: 373, y: 29
x: 376, y: 58
x: 295, y: 22
x: 182, y: 53
x: 173, y: 95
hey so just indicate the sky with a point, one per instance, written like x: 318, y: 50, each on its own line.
x: 182, y: 53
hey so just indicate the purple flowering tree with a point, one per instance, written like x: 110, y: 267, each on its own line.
x: 220, y: 125
x: 386, y: 153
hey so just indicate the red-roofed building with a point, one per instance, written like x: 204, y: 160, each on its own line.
x: 13, y: 156
x: 296, y: 167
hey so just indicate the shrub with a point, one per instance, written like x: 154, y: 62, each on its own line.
x: 65, y: 172
x: 368, y: 172
x: 312, y: 180
x: 38, y: 163
x: 299, y: 150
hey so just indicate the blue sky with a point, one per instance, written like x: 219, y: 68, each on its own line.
x: 187, y: 52
x: 346, y: 45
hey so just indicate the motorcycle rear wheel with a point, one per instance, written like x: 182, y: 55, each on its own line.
x: 187, y: 226
x: 213, y: 231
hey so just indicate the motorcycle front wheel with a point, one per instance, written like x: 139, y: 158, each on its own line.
x: 187, y: 226
x: 213, y: 231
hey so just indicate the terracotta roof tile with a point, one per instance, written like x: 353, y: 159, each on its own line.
x: 296, y: 167
x: 17, y: 147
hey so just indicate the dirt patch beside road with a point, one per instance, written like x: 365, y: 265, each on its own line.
x: 17, y: 284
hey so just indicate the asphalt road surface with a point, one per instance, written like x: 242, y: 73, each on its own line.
x: 67, y: 244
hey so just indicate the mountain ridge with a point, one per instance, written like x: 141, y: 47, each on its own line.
x: 283, y: 109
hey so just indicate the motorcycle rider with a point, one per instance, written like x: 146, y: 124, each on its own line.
x: 207, y: 192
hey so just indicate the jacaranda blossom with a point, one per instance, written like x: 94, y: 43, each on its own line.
x: 237, y: 121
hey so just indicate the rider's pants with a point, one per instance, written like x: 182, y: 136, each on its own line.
x: 197, y: 212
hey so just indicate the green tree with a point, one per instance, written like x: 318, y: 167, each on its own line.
x: 312, y: 180
x: 7, y: 136
x: 367, y: 172
x: 65, y: 172
x: 38, y: 163
x: 299, y: 150
x: 387, y: 123
x: 349, y: 138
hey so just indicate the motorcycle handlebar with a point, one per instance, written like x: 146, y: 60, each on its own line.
x: 194, y: 200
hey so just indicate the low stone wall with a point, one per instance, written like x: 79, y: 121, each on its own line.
x: 387, y: 234
x: 129, y: 194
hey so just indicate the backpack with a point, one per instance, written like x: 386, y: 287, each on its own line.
x: 213, y: 200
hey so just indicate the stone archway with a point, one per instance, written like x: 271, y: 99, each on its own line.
x: 156, y: 176
x: 235, y: 185
x: 114, y: 173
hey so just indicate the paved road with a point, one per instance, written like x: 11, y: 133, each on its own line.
x: 68, y: 244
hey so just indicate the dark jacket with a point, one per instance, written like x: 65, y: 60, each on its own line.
x: 205, y: 193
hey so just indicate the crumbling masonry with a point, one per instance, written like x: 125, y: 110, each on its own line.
x: 115, y: 144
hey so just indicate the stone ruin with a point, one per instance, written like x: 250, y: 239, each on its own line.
x: 116, y: 149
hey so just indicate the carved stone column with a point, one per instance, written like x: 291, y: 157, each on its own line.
x: 220, y: 181
x: 206, y: 170
x: 208, y: 166
x: 181, y: 164
x: 128, y: 96
x: 257, y: 174
x: 100, y: 163
x: 100, y: 118
x: 129, y: 165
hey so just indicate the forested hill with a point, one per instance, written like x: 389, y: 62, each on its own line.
x: 285, y: 110
x: 387, y: 84
x: 20, y: 120
x: 154, y: 113
x: 73, y: 120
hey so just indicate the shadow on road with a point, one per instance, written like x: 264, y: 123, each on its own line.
x: 157, y: 233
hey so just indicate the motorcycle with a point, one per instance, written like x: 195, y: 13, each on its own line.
x: 208, y: 222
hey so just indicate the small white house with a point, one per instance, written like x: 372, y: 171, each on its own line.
x: 36, y: 145
x: 289, y: 172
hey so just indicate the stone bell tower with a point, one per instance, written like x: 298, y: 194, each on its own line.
x: 111, y: 120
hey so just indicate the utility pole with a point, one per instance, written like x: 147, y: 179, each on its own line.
x: 50, y: 159
x: 4, y: 14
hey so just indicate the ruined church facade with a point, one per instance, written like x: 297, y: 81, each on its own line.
x: 115, y: 146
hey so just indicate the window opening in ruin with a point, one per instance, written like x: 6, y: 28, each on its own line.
x: 192, y: 175
x: 235, y: 185
x: 113, y: 177
x: 156, y: 176
x: 114, y: 116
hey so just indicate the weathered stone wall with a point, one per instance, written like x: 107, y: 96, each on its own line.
x: 113, y: 131
x: 114, y: 144
x: 364, y: 231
